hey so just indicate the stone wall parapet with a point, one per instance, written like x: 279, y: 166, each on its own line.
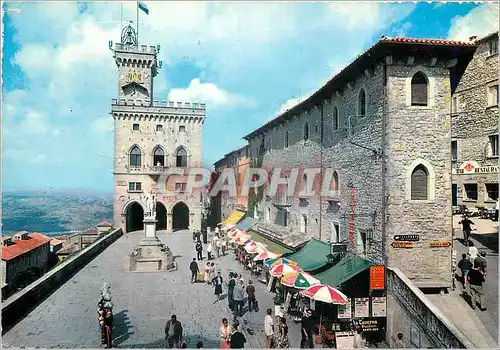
x: 135, y: 48
x: 156, y: 103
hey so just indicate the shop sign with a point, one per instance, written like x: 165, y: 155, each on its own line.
x: 361, y: 307
x: 344, y: 340
x: 440, y: 244
x: 379, y: 308
x: 369, y: 325
x: 402, y: 245
x: 345, y: 311
x: 472, y: 167
x: 377, y: 277
x: 409, y: 238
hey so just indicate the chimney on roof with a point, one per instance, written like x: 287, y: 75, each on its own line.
x: 472, y: 38
x: 7, y: 242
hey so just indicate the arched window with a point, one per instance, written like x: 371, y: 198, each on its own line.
x: 335, y: 118
x: 286, y: 139
x: 362, y: 103
x: 419, y: 92
x: 181, y: 158
x: 306, y: 132
x: 419, y: 182
x: 158, y: 157
x: 335, y: 181
x: 135, y: 157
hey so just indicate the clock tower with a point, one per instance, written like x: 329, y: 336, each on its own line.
x: 137, y: 66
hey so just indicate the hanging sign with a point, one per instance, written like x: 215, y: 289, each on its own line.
x: 410, y: 238
x: 377, y: 277
x: 440, y: 244
x: 402, y: 244
x: 361, y: 307
x: 344, y: 311
x: 379, y: 308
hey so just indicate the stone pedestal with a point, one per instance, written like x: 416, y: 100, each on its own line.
x: 151, y: 255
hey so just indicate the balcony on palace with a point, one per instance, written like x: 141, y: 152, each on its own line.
x: 282, y: 201
x: 156, y: 169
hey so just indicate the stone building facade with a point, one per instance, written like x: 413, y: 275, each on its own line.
x: 225, y: 203
x: 156, y: 142
x: 383, y: 127
x: 475, y: 129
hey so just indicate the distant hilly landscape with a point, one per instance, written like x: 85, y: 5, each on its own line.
x: 53, y: 212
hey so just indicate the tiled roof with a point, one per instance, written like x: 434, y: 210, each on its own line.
x: 20, y: 247
x: 104, y: 224
x: 439, y: 42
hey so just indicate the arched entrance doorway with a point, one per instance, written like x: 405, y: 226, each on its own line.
x: 135, y: 217
x: 161, y: 216
x: 180, y: 216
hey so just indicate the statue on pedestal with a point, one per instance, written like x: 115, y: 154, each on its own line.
x: 150, y: 206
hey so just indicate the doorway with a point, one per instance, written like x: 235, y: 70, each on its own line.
x: 135, y: 217
x: 454, y: 194
x: 180, y: 217
x: 161, y: 216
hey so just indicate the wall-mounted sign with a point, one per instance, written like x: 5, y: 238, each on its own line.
x: 369, y: 325
x: 402, y: 244
x: 472, y: 167
x: 439, y: 244
x: 379, y: 308
x: 377, y: 277
x: 409, y: 238
x: 361, y: 307
x: 345, y: 311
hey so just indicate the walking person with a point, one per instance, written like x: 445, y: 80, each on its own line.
x: 199, y: 249
x: 216, y: 245
x: 358, y: 339
x: 230, y: 289
x: 269, y: 328
x: 212, y: 272
x: 238, y: 297
x: 476, y: 279
x: 466, y: 228
x: 480, y: 262
x: 251, y: 296
x: 307, y: 325
x: 237, y: 340
x: 206, y: 271
x: 465, y: 266
x: 217, y: 282
x: 194, y: 270
x: 283, y: 341
x: 225, y: 334
x: 223, y: 245
x: 209, y: 251
x: 173, y: 332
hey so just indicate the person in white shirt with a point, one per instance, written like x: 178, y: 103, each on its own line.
x: 269, y: 328
x: 358, y: 339
x: 209, y: 250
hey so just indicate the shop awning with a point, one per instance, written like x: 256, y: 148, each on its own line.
x: 270, y: 245
x: 246, y: 223
x: 312, y: 256
x: 234, y: 218
x: 346, y: 269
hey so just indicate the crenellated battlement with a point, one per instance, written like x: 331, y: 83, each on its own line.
x: 163, y: 103
x: 135, y: 48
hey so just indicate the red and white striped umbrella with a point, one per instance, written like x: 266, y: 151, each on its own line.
x: 265, y: 255
x: 326, y: 294
x: 253, y: 247
x: 280, y: 270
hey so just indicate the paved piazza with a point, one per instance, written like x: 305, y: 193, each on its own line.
x: 143, y: 303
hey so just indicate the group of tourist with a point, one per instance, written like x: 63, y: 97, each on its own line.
x: 105, y: 317
x: 473, y: 268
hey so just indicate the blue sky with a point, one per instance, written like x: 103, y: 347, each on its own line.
x: 247, y: 61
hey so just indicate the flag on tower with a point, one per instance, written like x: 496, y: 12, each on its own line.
x: 143, y: 7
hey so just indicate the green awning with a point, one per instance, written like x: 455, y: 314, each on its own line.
x: 343, y: 271
x: 270, y: 245
x: 312, y: 256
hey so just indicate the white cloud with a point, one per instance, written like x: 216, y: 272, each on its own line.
x: 207, y: 93
x: 104, y: 124
x: 290, y: 103
x: 479, y: 22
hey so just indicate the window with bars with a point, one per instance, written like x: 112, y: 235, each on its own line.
x: 492, y: 191
x: 134, y: 186
x: 159, y: 127
x: 182, y: 128
x: 419, y: 183
x: 419, y: 94
x: 493, y: 146
x: 180, y: 187
x: 335, y: 233
x: 335, y: 118
x: 135, y: 157
x: 135, y: 127
x: 454, y: 150
x: 493, y: 45
x: 362, y: 103
x: 470, y: 191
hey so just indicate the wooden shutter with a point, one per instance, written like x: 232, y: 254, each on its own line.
x: 419, y: 90
x: 419, y: 183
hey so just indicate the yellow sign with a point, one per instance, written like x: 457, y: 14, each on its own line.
x: 439, y: 244
x: 402, y: 244
x: 134, y: 77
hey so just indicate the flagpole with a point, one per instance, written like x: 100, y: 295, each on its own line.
x: 137, y: 9
x: 121, y: 15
